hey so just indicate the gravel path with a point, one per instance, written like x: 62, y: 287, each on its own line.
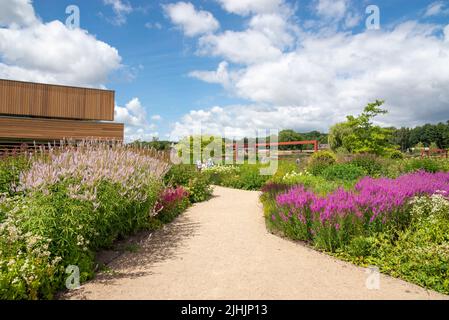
x: 220, y: 249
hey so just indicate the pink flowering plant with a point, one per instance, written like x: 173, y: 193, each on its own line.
x: 375, y: 204
x: 78, y: 199
x: 171, y: 203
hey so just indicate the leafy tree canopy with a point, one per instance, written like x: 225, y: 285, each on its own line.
x: 360, y: 135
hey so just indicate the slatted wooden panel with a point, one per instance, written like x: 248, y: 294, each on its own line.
x: 52, y: 129
x: 52, y: 101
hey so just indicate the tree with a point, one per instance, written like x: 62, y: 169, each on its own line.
x: 360, y: 135
x: 289, y: 136
x: 337, y: 133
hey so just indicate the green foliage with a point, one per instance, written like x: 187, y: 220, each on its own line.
x: 320, y: 160
x: 68, y: 230
x: 337, y: 135
x: 245, y: 177
x: 199, y: 189
x: 10, y: 169
x: 193, y: 148
x: 180, y: 175
x: 396, y: 155
x: 250, y: 177
x: 425, y: 135
x: 359, y: 135
x: 360, y: 246
x: 72, y: 202
x: 419, y: 254
x: 324, y: 155
x: 156, y: 144
x: 289, y: 136
x: 188, y: 176
x: 426, y: 164
x: 343, y: 171
x: 433, y: 146
x: 371, y: 163
x: 317, y: 184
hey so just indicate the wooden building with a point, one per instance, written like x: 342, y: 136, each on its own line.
x: 34, y: 112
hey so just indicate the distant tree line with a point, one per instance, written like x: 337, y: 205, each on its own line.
x: 154, y: 144
x: 357, y: 134
x: 427, y: 135
x: 290, y: 135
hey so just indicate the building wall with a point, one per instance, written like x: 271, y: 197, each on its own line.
x: 52, y: 101
x: 52, y: 129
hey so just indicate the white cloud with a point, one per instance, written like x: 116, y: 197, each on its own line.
x: 15, y: 13
x: 135, y: 118
x: 191, y: 21
x: 220, y: 76
x: 50, y: 52
x: 244, y: 120
x: 156, y: 117
x: 437, y: 8
x: 332, y: 9
x: 121, y: 10
x: 250, y: 46
x: 265, y: 39
x: 328, y: 76
x: 245, y: 7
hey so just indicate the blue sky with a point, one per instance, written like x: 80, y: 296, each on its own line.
x: 175, y: 69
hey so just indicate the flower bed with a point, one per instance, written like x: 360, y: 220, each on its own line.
x: 71, y: 202
x: 331, y: 221
x: 400, y: 225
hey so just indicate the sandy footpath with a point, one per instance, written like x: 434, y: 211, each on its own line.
x: 221, y: 249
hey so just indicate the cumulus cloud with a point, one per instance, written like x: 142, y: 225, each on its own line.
x: 310, y: 79
x: 135, y: 118
x: 267, y: 36
x: 332, y: 9
x: 121, y: 10
x: 51, y: 52
x: 193, y: 22
x: 17, y: 13
x: 220, y: 76
x: 240, y: 121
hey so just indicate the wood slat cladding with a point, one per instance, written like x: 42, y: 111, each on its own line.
x: 53, y: 101
x: 53, y: 129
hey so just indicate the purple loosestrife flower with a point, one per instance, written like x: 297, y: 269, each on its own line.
x: 374, y: 198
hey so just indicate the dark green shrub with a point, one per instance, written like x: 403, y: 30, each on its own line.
x: 197, y: 183
x: 320, y: 160
x: 360, y: 246
x: 180, y: 175
x: 426, y: 164
x: 324, y: 155
x: 250, y: 178
x: 343, y: 171
x: 199, y: 189
x: 396, y: 155
x: 371, y: 163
